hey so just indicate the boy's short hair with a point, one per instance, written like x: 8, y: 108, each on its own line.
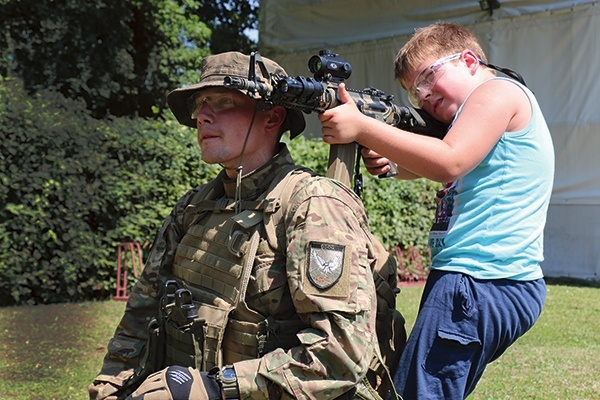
x: 439, y: 40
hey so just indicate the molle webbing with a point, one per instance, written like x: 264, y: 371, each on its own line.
x: 248, y: 340
x: 203, y: 260
x: 215, y: 259
x: 177, y: 352
x: 191, y: 338
x: 217, y: 279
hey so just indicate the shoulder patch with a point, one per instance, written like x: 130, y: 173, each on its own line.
x: 325, y: 264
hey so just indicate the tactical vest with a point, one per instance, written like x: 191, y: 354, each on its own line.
x: 215, y: 260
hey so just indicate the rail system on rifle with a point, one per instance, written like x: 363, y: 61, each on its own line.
x: 319, y: 93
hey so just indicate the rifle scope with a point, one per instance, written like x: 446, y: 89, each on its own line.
x: 327, y: 66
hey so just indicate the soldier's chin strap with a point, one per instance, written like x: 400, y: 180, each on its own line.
x: 255, y: 59
x: 240, y: 168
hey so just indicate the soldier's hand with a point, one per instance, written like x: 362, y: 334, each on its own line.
x: 179, y: 383
x: 109, y: 387
x: 102, y: 391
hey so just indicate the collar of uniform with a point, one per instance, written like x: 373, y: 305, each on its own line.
x: 257, y: 181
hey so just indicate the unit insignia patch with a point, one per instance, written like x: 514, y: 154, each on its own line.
x: 325, y: 264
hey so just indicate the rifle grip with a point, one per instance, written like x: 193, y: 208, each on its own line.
x: 392, y: 172
x: 341, y: 162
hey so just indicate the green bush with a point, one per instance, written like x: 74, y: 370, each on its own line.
x: 74, y: 187
x: 49, y: 170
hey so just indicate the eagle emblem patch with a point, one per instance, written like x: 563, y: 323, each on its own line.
x: 325, y: 264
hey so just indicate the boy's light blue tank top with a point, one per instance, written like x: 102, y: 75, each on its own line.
x: 490, y: 223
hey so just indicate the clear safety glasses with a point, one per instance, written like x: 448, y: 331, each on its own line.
x: 218, y: 102
x: 427, y: 79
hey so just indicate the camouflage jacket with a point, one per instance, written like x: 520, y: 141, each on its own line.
x: 335, y: 351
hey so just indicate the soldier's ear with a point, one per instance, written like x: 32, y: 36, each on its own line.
x: 276, y: 118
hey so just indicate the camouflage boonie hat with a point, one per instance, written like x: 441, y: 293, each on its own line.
x: 213, y: 70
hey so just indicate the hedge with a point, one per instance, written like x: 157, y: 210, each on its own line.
x: 74, y: 187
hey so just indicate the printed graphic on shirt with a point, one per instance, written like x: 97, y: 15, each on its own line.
x: 444, y: 212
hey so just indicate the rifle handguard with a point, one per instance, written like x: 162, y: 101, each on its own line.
x: 319, y: 93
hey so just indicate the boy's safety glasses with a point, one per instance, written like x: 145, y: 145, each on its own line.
x: 427, y: 79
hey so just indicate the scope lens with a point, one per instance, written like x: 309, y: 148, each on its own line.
x: 315, y: 64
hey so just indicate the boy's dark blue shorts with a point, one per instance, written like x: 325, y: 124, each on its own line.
x: 463, y: 324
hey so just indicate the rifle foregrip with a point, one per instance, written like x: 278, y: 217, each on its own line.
x: 341, y: 161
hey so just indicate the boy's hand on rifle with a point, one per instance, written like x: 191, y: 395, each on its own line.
x: 340, y: 124
x: 375, y: 163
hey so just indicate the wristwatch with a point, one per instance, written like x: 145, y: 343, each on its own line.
x: 228, y: 380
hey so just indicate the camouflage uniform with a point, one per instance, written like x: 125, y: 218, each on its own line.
x: 337, y: 309
x: 283, y: 280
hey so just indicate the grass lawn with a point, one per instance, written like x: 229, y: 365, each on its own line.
x: 53, y: 352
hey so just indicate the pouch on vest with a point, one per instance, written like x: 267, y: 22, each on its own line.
x: 183, y: 330
x: 153, y: 357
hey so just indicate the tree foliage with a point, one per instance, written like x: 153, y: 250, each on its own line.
x: 120, y: 57
x: 230, y: 21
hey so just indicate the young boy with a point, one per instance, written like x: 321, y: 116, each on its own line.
x: 485, y: 287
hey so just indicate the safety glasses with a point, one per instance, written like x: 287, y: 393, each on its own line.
x: 218, y: 102
x: 427, y: 79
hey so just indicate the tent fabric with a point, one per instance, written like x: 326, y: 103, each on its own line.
x: 291, y: 25
x: 555, y: 46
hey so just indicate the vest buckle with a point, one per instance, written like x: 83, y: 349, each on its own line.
x: 236, y: 241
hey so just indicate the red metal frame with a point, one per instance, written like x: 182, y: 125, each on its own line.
x: 135, y: 252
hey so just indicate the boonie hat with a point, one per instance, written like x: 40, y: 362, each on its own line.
x: 213, y: 70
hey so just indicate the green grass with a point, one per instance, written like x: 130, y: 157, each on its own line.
x: 53, y: 352
x: 559, y: 358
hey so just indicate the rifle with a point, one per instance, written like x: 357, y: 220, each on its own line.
x: 319, y: 93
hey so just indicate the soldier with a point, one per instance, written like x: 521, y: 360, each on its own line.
x: 260, y: 282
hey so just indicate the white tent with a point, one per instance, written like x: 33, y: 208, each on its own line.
x: 555, y: 46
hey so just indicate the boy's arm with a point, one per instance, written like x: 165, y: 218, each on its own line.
x: 488, y: 113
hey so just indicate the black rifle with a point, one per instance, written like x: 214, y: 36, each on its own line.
x: 319, y: 93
